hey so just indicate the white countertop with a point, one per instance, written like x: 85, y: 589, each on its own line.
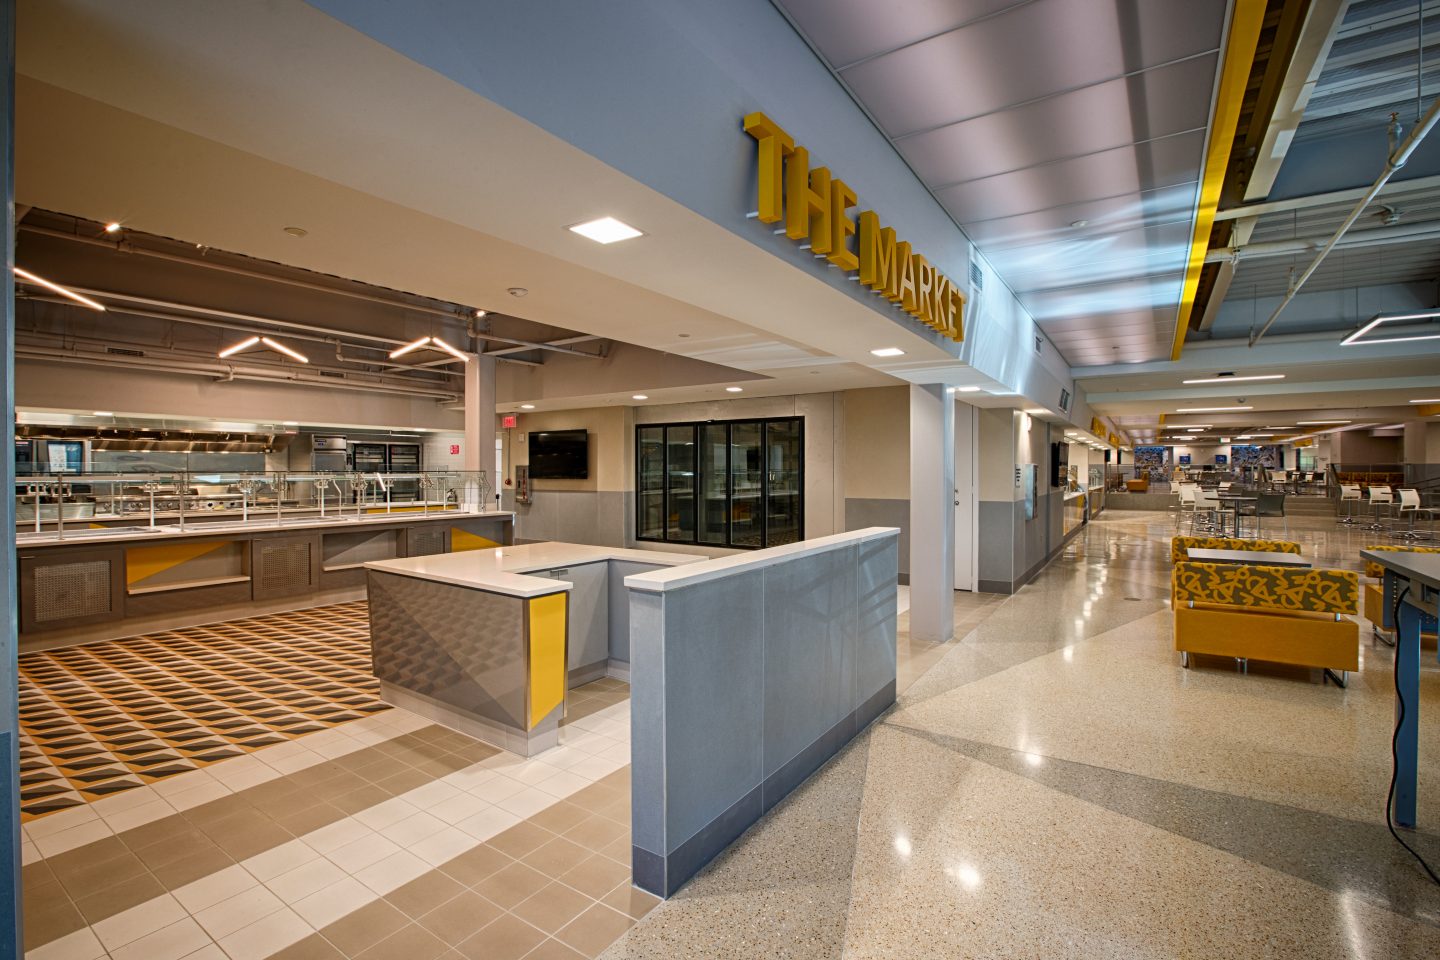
x: 658, y: 581
x: 504, y: 569
x: 145, y: 534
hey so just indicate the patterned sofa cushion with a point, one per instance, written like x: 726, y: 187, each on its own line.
x: 1266, y: 588
x: 1373, y: 569
x: 1180, y: 544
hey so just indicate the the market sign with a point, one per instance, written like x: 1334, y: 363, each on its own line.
x: 813, y: 205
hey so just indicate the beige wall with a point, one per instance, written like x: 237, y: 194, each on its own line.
x: 997, y: 455
x: 876, y: 463
x: 609, y: 441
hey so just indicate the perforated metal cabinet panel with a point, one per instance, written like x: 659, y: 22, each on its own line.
x: 284, y: 566
x: 64, y: 588
x: 426, y: 540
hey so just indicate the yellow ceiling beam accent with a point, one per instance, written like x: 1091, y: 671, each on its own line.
x: 1240, y: 44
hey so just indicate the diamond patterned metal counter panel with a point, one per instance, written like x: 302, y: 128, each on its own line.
x: 64, y: 591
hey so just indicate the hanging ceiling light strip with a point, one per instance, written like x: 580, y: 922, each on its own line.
x: 242, y: 345
x: 84, y: 301
x: 295, y: 355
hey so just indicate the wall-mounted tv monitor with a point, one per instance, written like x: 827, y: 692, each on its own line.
x: 559, y: 455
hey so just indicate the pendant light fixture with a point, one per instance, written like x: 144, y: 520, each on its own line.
x: 434, y: 343
x: 275, y: 345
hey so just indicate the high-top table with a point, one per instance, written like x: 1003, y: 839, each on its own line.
x: 1416, y: 578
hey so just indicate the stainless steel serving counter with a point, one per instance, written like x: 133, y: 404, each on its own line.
x: 109, y: 582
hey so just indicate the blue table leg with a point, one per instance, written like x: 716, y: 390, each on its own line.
x: 1407, y: 742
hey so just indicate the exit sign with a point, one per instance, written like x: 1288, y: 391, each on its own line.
x: 508, y: 421
x: 454, y: 449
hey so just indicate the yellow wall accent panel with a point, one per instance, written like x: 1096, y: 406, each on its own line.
x: 547, y: 655
x: 144, y: 562
x: 1245, y: 22
x: 462, y: 540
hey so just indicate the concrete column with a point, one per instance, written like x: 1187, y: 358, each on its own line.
x: 478, y: 450
x: 932, y: 513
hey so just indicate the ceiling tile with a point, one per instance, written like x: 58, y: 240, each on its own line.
x: 1031, y: 51
x: 1114, y: 172
x: 1154, y: 104
x: 848, y: 30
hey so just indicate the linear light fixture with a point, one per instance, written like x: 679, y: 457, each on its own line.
x: 295, y: 355
x: 1318, y: 423
x: 1354, y: 338
x: 437, y: 342
x: 84, y: 301
x: 606, y: 230
x: 1435, y: 400
x: 640, y: 396
x: 1233, y: 379
x: 1210, y: 409
x: 412, y: 345
x: 245, y: 344
x: 734, y: 389
x: 888, y: 352
x: 1195, y: 430
x: 969, y: 389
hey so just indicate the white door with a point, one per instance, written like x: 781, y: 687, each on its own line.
x: 966, y: 548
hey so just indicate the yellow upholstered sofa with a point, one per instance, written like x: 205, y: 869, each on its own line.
x: 1180, y: 544
x: 1374, y: 592
x: 1279, y: 614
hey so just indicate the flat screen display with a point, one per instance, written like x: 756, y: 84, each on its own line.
x: 559, y: 455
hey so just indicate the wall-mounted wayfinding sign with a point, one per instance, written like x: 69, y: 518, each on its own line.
x: 813, y: 205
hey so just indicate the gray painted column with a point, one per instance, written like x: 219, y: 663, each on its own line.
x: 932, y: 513
x: 478, y: 451
x: 11, y: 936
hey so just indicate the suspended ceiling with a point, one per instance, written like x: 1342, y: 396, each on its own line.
x: 1027, y: 118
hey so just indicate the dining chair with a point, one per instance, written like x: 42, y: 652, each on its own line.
x: 1380, y: 497
x: 1349, y: 497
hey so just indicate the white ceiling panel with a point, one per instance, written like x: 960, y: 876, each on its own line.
x: 1108, y: 214
x: 1117, y: 113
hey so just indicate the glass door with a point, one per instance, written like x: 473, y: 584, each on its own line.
x: 712, y: 505
x: 680, y: 483
x: 650, y: 482
x: 747, y: 486
x: 784, y: 495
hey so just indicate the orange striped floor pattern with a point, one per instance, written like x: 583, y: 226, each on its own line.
x: 100, y: 718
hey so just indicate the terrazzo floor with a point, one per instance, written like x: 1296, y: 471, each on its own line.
x: 1055, y: 785
x: 1050, y: 784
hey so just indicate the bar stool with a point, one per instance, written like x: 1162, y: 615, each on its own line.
x: 1380, y: 496
x: 1187, y: 504
x: 1206, y: 515
x: 1410, y: 507
x: 1349, y: 496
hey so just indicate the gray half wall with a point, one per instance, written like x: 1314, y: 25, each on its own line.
x: 573, y: 516
x: 862, y: 512
x: 743, y: 686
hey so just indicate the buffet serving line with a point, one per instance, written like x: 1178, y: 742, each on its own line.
x: 183, y: 557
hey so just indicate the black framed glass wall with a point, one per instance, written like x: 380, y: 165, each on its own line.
x: 731, y: 483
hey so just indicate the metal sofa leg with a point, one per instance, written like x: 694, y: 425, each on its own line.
x: 1341, y: 681
x: 1185, y: 659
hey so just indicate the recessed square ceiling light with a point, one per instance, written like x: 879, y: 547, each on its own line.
x: 969, y: 389
x: 888, y: 352
x: 527, y: 406
x: 606, y: 230
x: 733, y: 389
x: 640, y: 396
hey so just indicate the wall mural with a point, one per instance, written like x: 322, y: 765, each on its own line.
x: 1152, y: 458
x: 1255, y: 455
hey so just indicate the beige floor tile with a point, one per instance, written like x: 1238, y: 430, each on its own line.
x: 631, y: 901
x: 552, y: 907
x: 476, y: 864
x: 553, y: 950
x: 455, y: 920
x: 594, y: 930
x: 313, y: 947
x: 595, y: 876
x: 410, y: 942
x: 555, y: 856
x: 425, y: 893
x: 508, y: 938
x: 512, y: 884
x: 364, y: 927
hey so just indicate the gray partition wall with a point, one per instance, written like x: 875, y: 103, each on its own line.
x: 747, y: 674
